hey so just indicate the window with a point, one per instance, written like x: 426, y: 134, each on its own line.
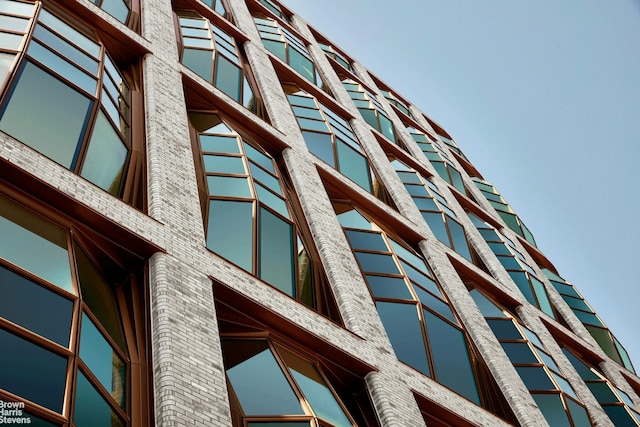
x: 514, y: 262
x: 371, y: 110
x: 288, y: 47
x: 583, y: 311
x: 274, y: 8
x: 68, y: 100
x: 439, y: 159
x: 396, y: 101
x: 52, y: 287
x: 119, y: 9
x: 218, y: 6
x: 504, y: 210
x: 434, y: 209
x: 539, y: 372
x: 214, y: 55
x: 330, y: 138
x: 248, y: 218
x: 332, y: 52
x: 422, y: 328
x: 615, y: 402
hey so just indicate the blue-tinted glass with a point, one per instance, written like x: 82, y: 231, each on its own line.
x: 106, y: 156
x: 67, y: 70
x: 377, y: 263
x: 364, y: 240
x: 116, y: 8
x: 543, y: 298
x: 602, y: 392
x: 228, y: 77
x: 69, y: 32
x: 62, y: 114
x: 321, y: 145
x: 276, y: 252
x: 276, y: 47
x: 229, y: 231
x: 585, y: 372
x: 91, y: 410
x: 409, y: 177
x: 219, y: 144
x: 487, y: 308
x: 388, y: 287
x: 302, y: 64
x: 420, y: 191
x: 354, y: 165
x: 504, y: 329
x: 303, y: 101
x: 436, y: 224
x: 519, y: 352
x: 579, y: 414
x: 424, y: 203
x: 619, y: 416
x: 451, y: 360
x: 403, y: 328
x: 105, y: 364
x: 535, y: 378
x: 387, y: 128
x: 259, y: 158
x: 459, y: 239
x: 588, y: 318
x: 266, y: 178
x: 258, y: 381
x: 353, y: 219
x: 274, y: 202
x: 409, y: 256
x: 576, y: 303
x: 228, y: 186
x: 32, y: 372
x: 522, y: 282
x: 34, y: 307
x: 223, y: 164
x: 66, y: 49
x: 421, y: 279
x: 200, y: 61
x: 435, y: 304
x: 553, y: 409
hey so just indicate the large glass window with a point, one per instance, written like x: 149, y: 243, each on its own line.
x: 395, y: 101
x: 422, y: 328
x: 332, y: 52
x: 591, y: 321
x: 514, y: 262
x: 370, y: 109
x: 539, y: 372
x: 248, y: 217
x: 64, y: 309
x: 214, y: 55
x: 330, y: 137
x: 66, y: 99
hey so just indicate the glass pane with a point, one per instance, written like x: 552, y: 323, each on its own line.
x: 32, y: 372
x: 353, y: 219
x: 388, y: 287
x: 553, y: 410
x: 436, y: 224
x: 106, y: 156
x: 61, y: 111
x: 314, y: 388
x: 105, y: 364
x: 69, y: 32
x: 276, y: 252
x: 543, y: 298
x: 228, y: 186
x: 116, y: 8
x: 504, y: 329
x: 387, y: 128
x: 34, y: 307
x: 229, y: 231
x: 274, y: 202
x: 421, y: 279
x: 228, y: 77
x: 535, y: 378
x: 459, y: 239
x: 265, y: 178
x: 302, y: 64
x: 519, y: 352
x: 36, y: 245
x: 310, y: 124
x: 219, y: 144
x: 405, y: 333
x: 25, y: 9
x: 91, y: 410
x: 321, y: 145
x: 276, y: 47
x: 619, y: 416
x: 369, y: 241
x: 259, y: 158
x: 61, y: 66
x: 6, y: 61
x: 354, y: 165
x: 423, y: 203
x: 369, y: 116
x: 435, y: 304
x: 377, y: 263
x: 10, y: 41
x: 487, y: 308
x: 257, y: 380
x: 199, y: 61
x: 602, y: 392
x: 66, y: 49
x: 451, y: 359
x: 522, y: 282
x: 224, y: 164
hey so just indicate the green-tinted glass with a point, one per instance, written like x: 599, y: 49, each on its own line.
x: 389, y: 287
x: 302, y: 64
x: 278, y: 48
x: 487, y: 308
x: 199, y: 61
x: 228, y: 186
x: 228, y: 77
x: 91, y: 410
x: 377, y: 263
x: 435, y: 304
x: 219, y: 144
x: 229, y: 231
x: 321, y: 145
x: 276, y: 243
x: 368, y: 241
x: 553, y: 409
x: 354, y: 165
x: 223, y: 164
x: 535, y: 378
x: 116, y: 8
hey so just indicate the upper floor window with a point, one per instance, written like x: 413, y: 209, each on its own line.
x: 370, y: 109
x: 218, y: 6
x: 248, y: 217
x: 274, y: 8
x: 395, y: 101
x: 335, y: 54
x: 214, y: 55
x: 288, y: 47
x: 518, y: 268
x: 57, y: 305
x: 541, y: 375
x: 330, y: 137
x: 66, y: 98
x: 591, y: 321
x: 119, y: 9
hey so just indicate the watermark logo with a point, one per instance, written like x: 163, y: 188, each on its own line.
x: 12, y: 413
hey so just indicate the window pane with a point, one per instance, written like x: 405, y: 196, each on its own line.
x: 229, y: 231
x: 62, y: 67
x: 535, y: 378
x: 321, y: 145
x: 219, y: 144
x: 104, y: 363
x: 66, y: 49
x: 389, y: 287
x: 459, y: 239
x: 369, y: 241
x: 543, y: 298
x: 105, y: 157
x: 553, y: 410
x: 116, y: 8
x: 451, y: 360
x: 276, y: 252
x: 387, y: 128
x: 435, y: 304
x: 91, y: 410
x: 224, y: 164
x: 618, y: 415
x: 199, y: 61
x: 6, y: 61
x: 420, y: 278
x: 519, y: 352
x: 487, y: 308
x: 277, y: 48
x: 32, y: 372
x: 257, y: 379
x: 61, y: 111
x: 228, y: 186
x: 39, y: 247
x: 34, y: 307
x: 321, y: 399
x: 436, y: 224
x: 265, y: 178
x: 504, y: 329
x: 259, y: 158
x: 302, y: 64
x: 354, y: 165
x: 377, y: 263
x: 403, y: 328
x: 228, y: 77
x: 274, y: 202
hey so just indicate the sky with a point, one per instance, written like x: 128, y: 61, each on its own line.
x: 543, y: 97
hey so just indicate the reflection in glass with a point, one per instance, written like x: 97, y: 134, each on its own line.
x: 91, y: 410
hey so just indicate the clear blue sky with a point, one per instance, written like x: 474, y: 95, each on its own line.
x: 544, y: 99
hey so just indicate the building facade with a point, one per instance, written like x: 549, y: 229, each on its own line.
x: 212, y: 216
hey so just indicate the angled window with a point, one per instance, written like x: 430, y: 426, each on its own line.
x: 541, y: 375
x: 57, y: 304
x: 214, y: 55
x: 288, y: 47
x: 248, y: 217
x: 514, y: 262
x: 119, y: 9
x: 67, y: 99
x: 505, y: 211
x: 395, y: 101
x: 615, y: 402
x: 583, y: 311
x: 329, y: 137
x: 332, y: 52
x: 217, y: 6
x: 274, y: 8
x: 370, y: 109
x: 438, y: 158
x: 434, y: 209
x: 422, y: 328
